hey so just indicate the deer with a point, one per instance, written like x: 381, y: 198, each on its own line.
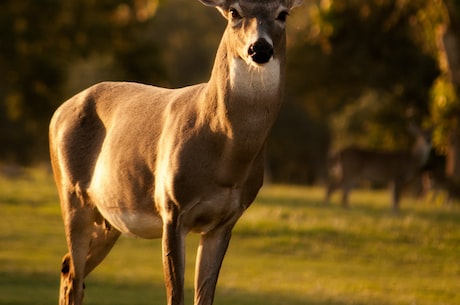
x: 158, y: 163
x: 354, y: 164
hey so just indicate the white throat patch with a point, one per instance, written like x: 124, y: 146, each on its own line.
x: 249, y: 79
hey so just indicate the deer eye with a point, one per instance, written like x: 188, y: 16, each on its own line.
x: 282, y: 16
x: 234, y: 14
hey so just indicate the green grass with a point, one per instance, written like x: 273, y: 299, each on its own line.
x: 288, y: 249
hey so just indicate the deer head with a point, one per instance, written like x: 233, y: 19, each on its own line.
x: 257, y: 27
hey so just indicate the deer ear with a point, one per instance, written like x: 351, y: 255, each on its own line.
x: 214, y: 3
x: 295, y: 3
x: 221, y: 5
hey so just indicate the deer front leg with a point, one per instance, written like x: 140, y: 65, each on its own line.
x: 173, y: 260
x: 346, y: 188
x: 331, y: 186
x: 209, y: 259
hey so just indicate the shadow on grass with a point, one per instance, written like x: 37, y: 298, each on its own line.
x: 42, y: 288
x: 28, y: 288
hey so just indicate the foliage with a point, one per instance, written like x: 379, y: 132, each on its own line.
x: 364, y: 123
x: 287, y: 249
x: 39, y: 52
x: 444, y: 111
x: 369, y: 45
x: 338, y: 53
x: 445, y: 100
x: 188, y: 34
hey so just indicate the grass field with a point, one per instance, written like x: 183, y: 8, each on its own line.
x: 288, y: 249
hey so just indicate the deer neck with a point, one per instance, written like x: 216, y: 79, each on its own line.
x: 246, y: 97
x: 244, y: 100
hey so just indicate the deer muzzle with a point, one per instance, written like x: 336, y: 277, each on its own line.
x: 260, y: 51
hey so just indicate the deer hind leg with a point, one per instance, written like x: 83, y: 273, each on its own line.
x: 89, y: 242
x: 396, y: 194
x: 78, y: 220
x: 346, y: 188
x: 330, y: 188
x: 103, y: 239
x: 101, y: 243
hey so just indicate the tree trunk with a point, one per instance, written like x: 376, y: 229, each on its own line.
x: 450, y: 47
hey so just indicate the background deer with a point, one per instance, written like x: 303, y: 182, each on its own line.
x: 160, y: 163
x: 352, y: 165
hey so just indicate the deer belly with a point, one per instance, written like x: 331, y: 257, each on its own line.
x: 123, y: 201
x: 141, y: 224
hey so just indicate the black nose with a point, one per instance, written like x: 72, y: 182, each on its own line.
x: 261, y: 51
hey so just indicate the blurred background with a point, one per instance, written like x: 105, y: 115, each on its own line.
x: 358, y: 71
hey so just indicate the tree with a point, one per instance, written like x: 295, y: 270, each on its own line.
x: 39, y: 53
x: 446, y: 91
